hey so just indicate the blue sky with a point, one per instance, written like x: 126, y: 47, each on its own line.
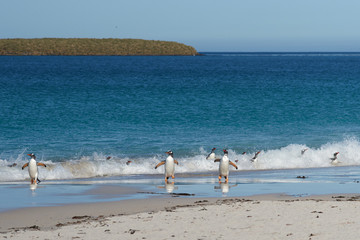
x: 208, y: 25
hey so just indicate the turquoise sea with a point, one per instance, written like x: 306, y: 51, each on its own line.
x: 86, y: 116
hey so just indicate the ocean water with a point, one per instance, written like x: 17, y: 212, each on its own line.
x: 74, y: 112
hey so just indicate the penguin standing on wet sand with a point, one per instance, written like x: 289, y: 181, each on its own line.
x: 169, y: 166
x: 211, y: 155
x: 224, y: 166
x: 33, y: 169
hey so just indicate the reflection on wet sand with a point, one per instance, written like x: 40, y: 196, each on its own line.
x: 224, y: 187
x: 170, y: 187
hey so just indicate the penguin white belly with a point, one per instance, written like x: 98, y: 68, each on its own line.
x: 224, y: 168
x: 33, y: 170
x: 211, y: 156
x: 169, y: 168
x: 334, y: 162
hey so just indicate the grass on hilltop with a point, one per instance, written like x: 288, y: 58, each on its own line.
x: 92, y: 46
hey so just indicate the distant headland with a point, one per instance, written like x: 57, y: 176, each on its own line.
x: 93, y: 47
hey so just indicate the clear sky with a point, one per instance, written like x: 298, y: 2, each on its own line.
x: 208, y: 25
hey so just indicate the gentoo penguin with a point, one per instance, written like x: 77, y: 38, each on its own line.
x: 334, y: 159
x: 224, y: 166
x: 211, y: 155
x: 33, y: 169
x: 254, y: 159
x: 244, y: 153
x: 303, y: 151
x: 169, y: 166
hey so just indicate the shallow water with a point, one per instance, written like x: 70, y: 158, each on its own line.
x: 317, y: 181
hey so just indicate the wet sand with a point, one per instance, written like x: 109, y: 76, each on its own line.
x: 256, y: 217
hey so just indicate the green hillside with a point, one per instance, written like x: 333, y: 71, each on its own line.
x: 92, y: 46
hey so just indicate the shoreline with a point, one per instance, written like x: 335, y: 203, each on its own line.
x: 63, y: 220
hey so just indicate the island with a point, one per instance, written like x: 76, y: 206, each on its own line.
x: 93, y: 47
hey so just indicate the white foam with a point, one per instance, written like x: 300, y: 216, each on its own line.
x: 98, y: 166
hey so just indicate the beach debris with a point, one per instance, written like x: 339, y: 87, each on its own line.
x: 174, y: 194
x: 132, y: 231
x: 170, y: 209
x: 12, y: 165
x: 108, y: 158
x: 128, y: 162
x: 81, y: 217
x: 316, y: 212
x: 183, y: 194
x: 34, y: 227
x: 303, y: 177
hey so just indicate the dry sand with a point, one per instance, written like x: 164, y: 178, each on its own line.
x: 257, y: 217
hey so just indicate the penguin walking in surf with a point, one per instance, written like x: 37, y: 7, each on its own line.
x: 303, y: 151
x: 224, y: 166
x: 211, y: 155
x: 33, y: 169
x: 254, y: 159
x: 169, y: 166
x: 334, y: 159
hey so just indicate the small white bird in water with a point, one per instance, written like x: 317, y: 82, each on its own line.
x: 254, y: 159
x: 334, y: 159
x: 211, y: 155
x: 33, y: 169
x: 224, y: 166
x: 169, y: 166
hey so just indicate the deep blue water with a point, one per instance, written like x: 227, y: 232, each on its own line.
x: 68, y: 107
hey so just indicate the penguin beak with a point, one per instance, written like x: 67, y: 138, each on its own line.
x: 29, y: 154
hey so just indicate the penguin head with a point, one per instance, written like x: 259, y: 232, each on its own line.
x: 32, y: 155
x: 213, y: 149
x: 169, y: 152
x: 225, y: 152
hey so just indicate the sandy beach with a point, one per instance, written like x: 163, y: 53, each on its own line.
x: 256, y: 217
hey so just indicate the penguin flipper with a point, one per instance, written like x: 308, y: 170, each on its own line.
x: 41, y: 164
x: 217, y: 160
x: 233, y: 164
x: 159, y: 164
x: 176, y: 162
x: 25, y: 165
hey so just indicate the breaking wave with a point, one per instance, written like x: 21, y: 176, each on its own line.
x: 99, y: 165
